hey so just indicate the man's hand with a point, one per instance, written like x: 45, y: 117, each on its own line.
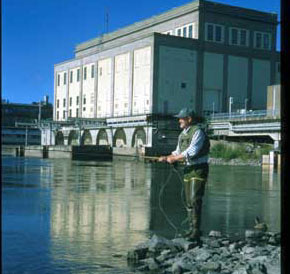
x: 162, y: 159
x: 171, y: 159
x: 174, y: 158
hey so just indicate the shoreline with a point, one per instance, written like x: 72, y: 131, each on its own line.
x: 235, y: 162
x: 258, y: 252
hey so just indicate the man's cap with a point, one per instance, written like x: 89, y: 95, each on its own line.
x: 185, y: 112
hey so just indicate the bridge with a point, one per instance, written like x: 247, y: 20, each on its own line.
x: 157, y: 130
x: 251, y: 123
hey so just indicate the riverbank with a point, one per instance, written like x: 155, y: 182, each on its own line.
x: 259, y: 253
x: 235, y: 162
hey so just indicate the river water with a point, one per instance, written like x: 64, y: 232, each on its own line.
x: 63, y: 216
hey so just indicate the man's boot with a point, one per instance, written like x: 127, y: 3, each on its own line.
x: 188, y: 232
x: 196, y: 222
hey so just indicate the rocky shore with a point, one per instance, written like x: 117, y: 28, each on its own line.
x: 256, y: 253
x: 235, y: 162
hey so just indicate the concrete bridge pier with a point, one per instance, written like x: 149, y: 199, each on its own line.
x: 277, y: 140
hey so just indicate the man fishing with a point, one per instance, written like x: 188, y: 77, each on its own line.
x: 192, y: 148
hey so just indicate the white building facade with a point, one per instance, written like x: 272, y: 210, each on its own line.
x: 197, y: 55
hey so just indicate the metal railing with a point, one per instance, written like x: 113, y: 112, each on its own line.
x: 244, y: 115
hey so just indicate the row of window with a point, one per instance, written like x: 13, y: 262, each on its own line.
x: 188, y: 31
x: 71, y: 78
x: 237, y: 36
x: 69, y: 113
x: 70, y: 101
x: 215, y: 33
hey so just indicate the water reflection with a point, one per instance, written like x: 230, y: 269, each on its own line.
x: 88, y: 214
x: 104, y: 211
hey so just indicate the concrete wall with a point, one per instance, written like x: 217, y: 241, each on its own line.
x: 237, y: 80
x: 176, y: 79
x: 122, y: 84
x: 141, y: 81
x: 88, y: 91
x: 212, y: 81
x: 261, y: 80
x: 104, y: 107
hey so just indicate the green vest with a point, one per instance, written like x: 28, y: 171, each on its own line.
x: 185, y: 140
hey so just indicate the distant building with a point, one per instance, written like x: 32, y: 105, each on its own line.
x: 19, y: 122
x: 196, y: 55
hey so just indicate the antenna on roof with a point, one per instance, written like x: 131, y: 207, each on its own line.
x: 106, y: 20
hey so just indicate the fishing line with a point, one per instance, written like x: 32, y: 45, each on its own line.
x: 172, y: 169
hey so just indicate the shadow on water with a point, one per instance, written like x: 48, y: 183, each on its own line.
x: 88, y: 215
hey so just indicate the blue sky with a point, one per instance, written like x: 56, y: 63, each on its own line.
x: 36, y: 34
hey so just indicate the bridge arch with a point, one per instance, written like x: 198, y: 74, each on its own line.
x: 139, y: 137
x: 102, y: 138
x: 86, y: 138
x: 119, y: 138
x: 73, y: 138
x: 59, y: 138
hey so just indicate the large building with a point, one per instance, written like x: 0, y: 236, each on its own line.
x: 19, y: 122
x: 198, y: 55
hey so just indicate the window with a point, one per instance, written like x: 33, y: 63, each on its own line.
x: 238, y: 37
x: 63, y: 102
x: 78, y: 100
x: 85, y: 73
x: 210, y: 32
x: 262, y: 40
x: 70, y: 101
x: 85, y: 100
x: 185, y: 32
x: 190, y: 31
x: 266, y: 41
x: 218, y: 33
x: 57, y: 115
x: 63, y: 114
x: 70, y: 113
x: 234, y: 39
x: 214, y: 33
x: 243, y: 37
x: 71, y: 77
x: 78, y: 75
x: 92, y: 71
x: 57, y: 103
x: 258, y: 40
x: 58, y: 80
x: 64, y: 78
x: 77, y: 112
x: 84, y: 108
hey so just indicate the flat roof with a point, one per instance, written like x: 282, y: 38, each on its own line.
x: 176, y: 12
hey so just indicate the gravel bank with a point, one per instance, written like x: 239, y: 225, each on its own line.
x: 257, y: 253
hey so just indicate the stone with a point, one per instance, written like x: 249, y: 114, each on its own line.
x: 248, y: 249
x: 273, y: 241
x: 249, y: 233
x: 183, y: 244
x: 152, y: 264
x: 215, y: 233
x: 137, y: 254
x: 212, y: 266
x: 183, y: 265
x: 203, y: 255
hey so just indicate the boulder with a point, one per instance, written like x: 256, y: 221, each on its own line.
x: 215, y: 233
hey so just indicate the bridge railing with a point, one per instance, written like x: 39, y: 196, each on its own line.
x: 244, y: 115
